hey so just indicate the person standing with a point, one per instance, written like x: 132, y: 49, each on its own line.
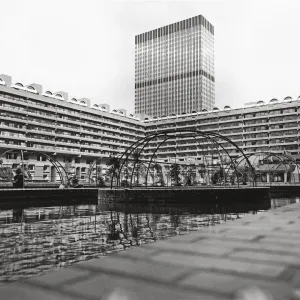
x: 18, y: 179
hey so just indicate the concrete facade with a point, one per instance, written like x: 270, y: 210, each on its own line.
x: 71, y: 130
x: 261, y: 127
x: 76, y: 132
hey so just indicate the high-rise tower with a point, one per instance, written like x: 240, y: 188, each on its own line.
x: 174, y: 68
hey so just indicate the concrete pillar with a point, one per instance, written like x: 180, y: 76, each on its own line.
x: 285, y: 177
x: 295, y: 175
x: 207, y: 177
x: 164, y: 174
x: 78, y: 172
x: 19, y: 158
x: 53, y: 174
x: 197, y: 175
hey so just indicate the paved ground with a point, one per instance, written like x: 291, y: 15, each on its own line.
x: 212, y: 264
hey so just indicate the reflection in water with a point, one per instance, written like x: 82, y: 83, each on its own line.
x: 277, y: 202
x: 36, y: 240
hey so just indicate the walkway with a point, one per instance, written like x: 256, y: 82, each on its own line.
x: 212, y: 264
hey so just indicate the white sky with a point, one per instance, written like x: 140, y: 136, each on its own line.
x: 86, y: 48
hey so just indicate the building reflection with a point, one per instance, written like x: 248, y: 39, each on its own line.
x: 35, y: 240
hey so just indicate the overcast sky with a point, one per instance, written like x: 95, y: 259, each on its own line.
x: 86, y: 48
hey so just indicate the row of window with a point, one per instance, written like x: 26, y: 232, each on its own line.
x: 46, y: 109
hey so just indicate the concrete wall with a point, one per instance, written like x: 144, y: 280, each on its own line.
x: 185, y: 195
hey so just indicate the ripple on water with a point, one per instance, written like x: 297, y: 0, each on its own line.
x: 37, y: 240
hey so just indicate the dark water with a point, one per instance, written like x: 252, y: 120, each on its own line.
x: 36, y: 240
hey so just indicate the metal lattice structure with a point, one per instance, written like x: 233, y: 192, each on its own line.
x: 63, y: 174
x: 210, y: 148
x: 271, y: 167
x: 95, y: 167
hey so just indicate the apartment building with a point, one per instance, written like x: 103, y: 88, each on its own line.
x: 260, y: 127
x: 76, y: 133
x: 71, y: 130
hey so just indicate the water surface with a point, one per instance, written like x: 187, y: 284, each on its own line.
x: 35, y: 240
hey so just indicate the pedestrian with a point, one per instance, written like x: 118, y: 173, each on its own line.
x: 18, y: 179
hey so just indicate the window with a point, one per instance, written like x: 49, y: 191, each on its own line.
x: 11, y: 155
x: 41, y: 158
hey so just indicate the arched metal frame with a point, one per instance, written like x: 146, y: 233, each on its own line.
x: 53, y: 161
x: 266, y: 155
x: 127, y: 153
x: 196, y: 151
x: 211, y: 137
x: 92, y: 167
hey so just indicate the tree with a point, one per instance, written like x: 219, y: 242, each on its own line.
x: 161, y: 181
x: 139, y: 167
x: 100, y: 181
x: 73, y: 181
x: 175, y: 172
x: 157, y: 167
x: 6, y: 173
x: 27, y: 173
x: 203, y: 173
x: 218, y: 176
x: 69, y: 168
x: 99, y: 178
x: 190, y: 176
x: 89, y: 173
x: 126, y: 171
x: 114, y: 166
x: 125, y: 183
x: 157, y: 177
